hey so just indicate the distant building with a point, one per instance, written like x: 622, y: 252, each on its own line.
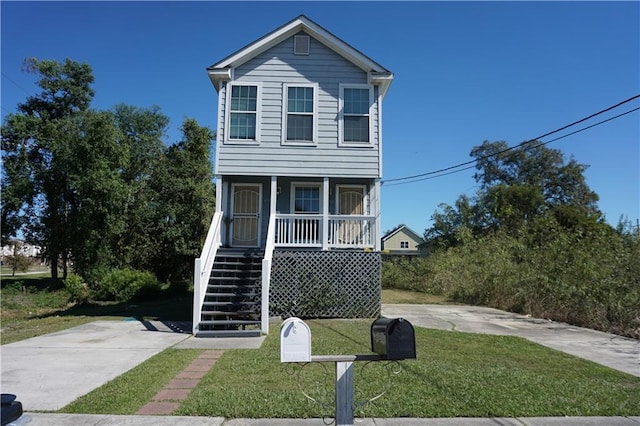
x: 401, y: 240
x: 23, y: 249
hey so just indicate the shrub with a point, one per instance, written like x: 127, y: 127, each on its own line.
x: 77, y: 289
x: 124, y: 285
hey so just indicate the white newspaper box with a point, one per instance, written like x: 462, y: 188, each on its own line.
x: 295, y: 341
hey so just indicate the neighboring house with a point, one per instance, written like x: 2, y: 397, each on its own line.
x: 401, y: 240
x: 298, y: 168
x: 21, y: 248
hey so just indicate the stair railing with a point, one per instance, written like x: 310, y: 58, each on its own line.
x: 203, y: 266
x: 266, y: 273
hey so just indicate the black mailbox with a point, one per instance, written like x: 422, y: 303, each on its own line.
x: 393, y: 338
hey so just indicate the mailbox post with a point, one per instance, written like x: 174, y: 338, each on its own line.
x: 391, y: 339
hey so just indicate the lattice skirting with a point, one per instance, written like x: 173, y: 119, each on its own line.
x: 325, y: 284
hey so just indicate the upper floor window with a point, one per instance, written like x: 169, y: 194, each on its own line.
x: 355, y: 114
x: 404, y: 244
x: 243, y: 113
x: 300, y: 118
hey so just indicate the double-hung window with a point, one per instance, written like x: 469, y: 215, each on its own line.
x: 243, y: 113
x: 299, y: 114
x: 355, y: 114
x: 306, y: 199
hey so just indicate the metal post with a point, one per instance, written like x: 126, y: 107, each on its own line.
x: 344, y: 393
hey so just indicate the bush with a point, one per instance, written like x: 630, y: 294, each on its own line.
x: 77, y: 289
x: 123, y: 285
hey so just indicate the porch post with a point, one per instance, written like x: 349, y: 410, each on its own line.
x: 274, y: 195
x: 218, y: 193
x: 325, y: 213
x: 377, y: 215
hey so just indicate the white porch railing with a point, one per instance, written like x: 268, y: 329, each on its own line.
x: 305, y: 230
x: 298, y: 230
x: 266, y: 274
x: 347, y: 231
x: 203, y: 266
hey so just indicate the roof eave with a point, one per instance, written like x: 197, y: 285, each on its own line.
x: 218, y: 75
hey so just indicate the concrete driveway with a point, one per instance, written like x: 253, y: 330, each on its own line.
x: 50, y: 371
x: 610, y: 350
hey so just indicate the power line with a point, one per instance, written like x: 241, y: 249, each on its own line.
x: 437, y: 172
x: 16, y: 84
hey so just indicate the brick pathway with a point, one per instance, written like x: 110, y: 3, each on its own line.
x: 168, y: 399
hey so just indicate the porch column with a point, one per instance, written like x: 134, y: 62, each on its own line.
x: 325, y: 213
x: 274, y: 195
x: 377, y: 214
x: 218, y: 193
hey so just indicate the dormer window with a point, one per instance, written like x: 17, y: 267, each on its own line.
x: 243, y: 109
x: 299, y: 114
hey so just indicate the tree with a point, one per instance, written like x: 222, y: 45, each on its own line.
x: 38, y: 140
x: 141, y: 132
x: 186, y: 204
x: 516, y: 187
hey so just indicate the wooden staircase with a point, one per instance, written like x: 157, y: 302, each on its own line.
x: 232, y: 302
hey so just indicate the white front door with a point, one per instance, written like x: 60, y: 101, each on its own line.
x: 245, y: 223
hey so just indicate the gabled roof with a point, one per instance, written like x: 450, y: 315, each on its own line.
x: 222, y: 70
x: 406, y: 229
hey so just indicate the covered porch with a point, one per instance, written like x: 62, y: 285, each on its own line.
x: 297, y: 212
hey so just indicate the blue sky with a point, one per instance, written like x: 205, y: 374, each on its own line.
x: 465, y: 72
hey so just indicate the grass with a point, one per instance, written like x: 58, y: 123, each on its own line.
x: 455, y: 375
x: 128, y: 393
x: 395, y: 296
x: 36, y: 305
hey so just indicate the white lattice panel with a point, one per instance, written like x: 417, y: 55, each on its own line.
x: 325, y: 284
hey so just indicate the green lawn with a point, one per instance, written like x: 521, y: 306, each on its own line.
x: 456, y: 374
x: 37, y: 305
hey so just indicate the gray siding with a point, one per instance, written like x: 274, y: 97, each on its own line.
x: 274, y: 68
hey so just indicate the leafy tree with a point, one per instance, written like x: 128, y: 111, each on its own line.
x: 185, y: 187
x: 39, y: 141
x: 515, y: 187
x: 141, y: 132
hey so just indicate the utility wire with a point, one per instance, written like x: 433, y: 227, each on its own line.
x: 437, y: 172
x: 16, y: 84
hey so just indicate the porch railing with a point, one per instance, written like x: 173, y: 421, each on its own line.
x: 203, y: 266
x: 266, y: 274
x: 306, y: 230
x: 351, y: 231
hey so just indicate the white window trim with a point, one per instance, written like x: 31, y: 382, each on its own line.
x: 407, y: 247
x: 227, y: 113
x: 341, y: 141
x: 285, y: 102
x: 365, y: 197
x: 292, y: 197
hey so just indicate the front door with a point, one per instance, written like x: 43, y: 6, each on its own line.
x: 351, y: 203
x: 245, y: 223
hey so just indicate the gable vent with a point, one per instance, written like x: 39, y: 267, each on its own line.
x: 301, y: 45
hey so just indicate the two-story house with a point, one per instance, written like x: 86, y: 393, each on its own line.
x: 298, y: 166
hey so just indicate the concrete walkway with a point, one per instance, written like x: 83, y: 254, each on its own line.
x: 613, y: 351
x: 105, y: 420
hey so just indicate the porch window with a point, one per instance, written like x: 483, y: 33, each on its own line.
x: 243, y: 113
x: 299, y: 116
x: 356, y: 102
x: 307, y: 199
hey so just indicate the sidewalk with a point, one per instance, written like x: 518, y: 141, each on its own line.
x: 107, y: 420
